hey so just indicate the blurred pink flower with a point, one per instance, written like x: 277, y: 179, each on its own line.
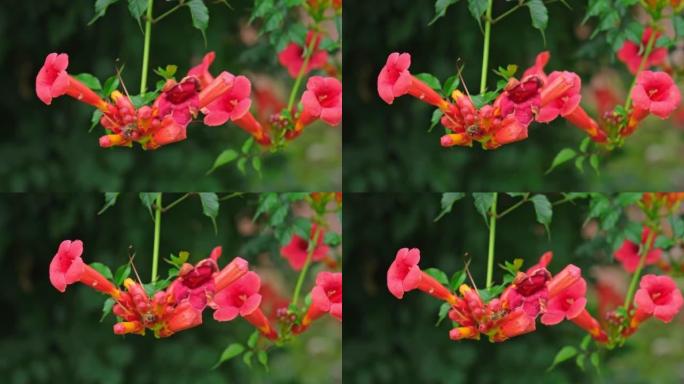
x: 201, y: 70
x: 656, y: 93
x: 628, y: 253
x: 296, y: 250
x: 326, y: 297
x: 292, y: 57
x: 631, y: 53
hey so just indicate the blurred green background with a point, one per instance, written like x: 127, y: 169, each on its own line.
x: 50, y: 337
x: 389, y: 148
x: 48, y: 148
x: 387, y: 340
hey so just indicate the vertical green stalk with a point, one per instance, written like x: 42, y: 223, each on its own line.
x: 305, y: 269
x: 157, y: 231
x: 146, y: 48
x: 485, y: 52
x: 645, y: 249
x: 492, y: 236
x: 302, y: 71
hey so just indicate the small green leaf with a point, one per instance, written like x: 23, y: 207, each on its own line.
x: 200, y: 16
x: 430, y: 80
x: 137, y: 8
x: 89, y: 80
x: 448, y: 200
x: 443, y: 312
x: 103, y: 269
x: 147, y: 199
x: 253, y: 338
x: 580, y: 361
x: 110, y: 85
x: 543, y: 210
x: 262, y: 356
x: 210, y: 206
x: 539, y: 15
x: 110, y: 200
x: 585, y: 342
x: 438, y: 274
x: 247, y: 358
x: 233, y: 350
x: 256, y: 163
x: 450, y: 85
x: 101, y: 8
x: 585, y: 144
x: 167, y: 73
x: 579, y: 163
x: 122, y: 273
x: 95, y: 119
x: 595, y: 361
x: 483, y: 203
x: 332, y: 239
x: 457, y: 279
x: 107, y: 308
x: 477, y: 9
x: 594, y: 161
x: 247, y: 145
x: 241, y: 165
x: 564, y: 354
x: 435, y: 119
x: 224, y: 158
x: 440, y: 9
x: 565, y: 154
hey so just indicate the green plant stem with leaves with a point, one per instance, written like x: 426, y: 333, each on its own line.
x: 302, y: 70
x: 305, y: 268
x: 645, y: 249
x: 492, y: 237
x: 485, y: 51
x: 146, y: 49
x: 157, y: 232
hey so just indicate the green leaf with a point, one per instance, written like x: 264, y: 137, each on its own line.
x: 543, y: 210
x: 122, y: 274
x: 457, y: 279
x: 331, y: 238
x: 448, y: 200
x: 628, y: 198
x: 564, y: 354
x: 137, y: 8
x: 267, y: 203
x: 450, y: 85
x: 253, y: 338
x: 477, y: 8
x: 200, y: 16
x: 247, y: 145
x: 565, y: 154
x: 581, y: 358
x: 595, y: 361
x: 262, y: 356
x: 110, y: 200
x: 233, y: 350
x: 256, y: 163
x: 224, y: 158
x: 103, y: 269
x: 241, y: 165
x: 101, y: 9
x: 430, y: 80
x: 443, y: 312
x: 539, y: 15
x: 167, y: 73
x: 594, y: 162
x: 179, y: 260
x: 585, y: 342
x: 95, y: 119
x: 440, y: 9
x: 107, y: 308
x: 247, y: 358
x: 579, y: 163
x: 585, y: 144
x: 438, y: 274
x: 435, y: 119
x: 483, y: 203
x: 89, y: 80
x: 210, y: 206
x: 110, y: 85
x: 147, y: 199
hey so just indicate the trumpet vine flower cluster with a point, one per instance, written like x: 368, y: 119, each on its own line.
x: 230, y: 292
x: 223, y: 98
x: 530, y: 295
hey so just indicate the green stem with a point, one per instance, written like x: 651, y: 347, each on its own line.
x: 503, y: 15
x: 146, y: 48
x: 645, y: 249
x: 157, y: 231
x: 642, y: 64
x: 305, y: 268
x: 485, y: 53
x: 302, y: 71
x: 514, y: 206
x: 170, y: 11
x: 492, y: 236
x: 176, y: 202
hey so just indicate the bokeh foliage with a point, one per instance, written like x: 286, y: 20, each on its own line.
x: 50, y: 149
x: 49, y: 337
x: 389, y: 148
x: 395, y: 341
